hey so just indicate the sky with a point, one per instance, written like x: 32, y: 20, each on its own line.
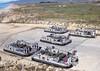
x: 6, y: 0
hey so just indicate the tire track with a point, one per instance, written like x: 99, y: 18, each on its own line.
x: 20, y: 32
x: 12, y: 35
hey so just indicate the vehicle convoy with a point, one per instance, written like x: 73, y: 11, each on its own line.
x: 55, y: 29
x: 84, y: 33
x: 56, y: 39
x: 22, y: 48
x: 56, y: 57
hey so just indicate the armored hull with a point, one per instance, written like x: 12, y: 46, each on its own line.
x: 22, y: 48
x: 55, y: 29
x: 84, y: 33
x: 56, y: 39
x: 56, y: 57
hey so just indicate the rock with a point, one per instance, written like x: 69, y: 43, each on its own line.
x: 40, y: 67
x: 50, y: 68
x: 19, y: 66
x: 1, y: 68
x: 9, y: 69
x: 1, y: 63
x: 23, y: 69
x: 10, y: 66
x: 61, y: 69
x: 45, y: 66
x: 32, y: 68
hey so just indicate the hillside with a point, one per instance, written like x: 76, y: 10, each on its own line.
x: 37, y: 1
x: 86, y: 15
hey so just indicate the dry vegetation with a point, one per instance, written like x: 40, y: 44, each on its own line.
x: 12, y: 65
x: 81, y: 14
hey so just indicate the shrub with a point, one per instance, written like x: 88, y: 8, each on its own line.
x: 0, y: 58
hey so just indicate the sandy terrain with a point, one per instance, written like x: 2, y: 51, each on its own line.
x: 12, y: 28
x: 8, y: 9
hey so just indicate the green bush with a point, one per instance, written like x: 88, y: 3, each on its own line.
x: 0, y: 58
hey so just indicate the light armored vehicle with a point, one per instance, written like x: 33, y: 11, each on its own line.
x: 55, y: 29
x: 22, y: 48
x: 56, y: 39
x: 56, y: 57
x: 84, y: 33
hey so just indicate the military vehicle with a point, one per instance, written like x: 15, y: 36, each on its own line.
x: 22, y: 48
x: 56, y: 39
x: 55, y: 29
x: 84, y: 33
x: 56, y: 57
